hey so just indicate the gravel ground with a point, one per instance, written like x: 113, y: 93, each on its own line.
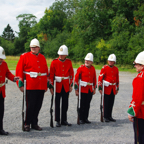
x: 119, y: 132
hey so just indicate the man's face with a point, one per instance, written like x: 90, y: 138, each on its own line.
x: 139, y: 67
x: 1, y: 60
x: 35, y: 50
x: 88, y: 63
x: 111, y: 63
x: 62, y: 57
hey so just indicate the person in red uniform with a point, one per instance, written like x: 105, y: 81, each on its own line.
x: 110, y: 74
x: 136, y: 108
x: 4, y: 72
x: 61, y: 70
x: 88, y: 83
x: 33, y: 67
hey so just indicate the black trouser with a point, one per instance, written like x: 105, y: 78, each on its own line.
x: 108, y: 104
x: 85, y: 105
x: 140, y: 131
x: 1, y: 111
x: 34, y: 99
x: 64, y: 105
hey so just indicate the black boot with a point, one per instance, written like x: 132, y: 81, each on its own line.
x: 87, y: 121
x: 111, y: 119
x: 2, y: 132
x: 65, y: 123
x: 58, y: 124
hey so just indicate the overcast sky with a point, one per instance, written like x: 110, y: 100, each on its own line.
x: 10, y: 9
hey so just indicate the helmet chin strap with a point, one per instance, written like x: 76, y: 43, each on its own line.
x: 87, y: 65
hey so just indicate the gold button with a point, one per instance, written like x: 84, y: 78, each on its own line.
x: 63, y: 65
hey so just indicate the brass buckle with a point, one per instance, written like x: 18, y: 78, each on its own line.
x: 1, y: 85
x: 39, y: 74
x: 62, y: 78
x: 88, y: 84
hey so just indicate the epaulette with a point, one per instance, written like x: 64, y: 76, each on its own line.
x: 24, y: 53
x: 55, y: 59
x: 82, y: 65
x: 3, y: 61
x: 104, y: 66
x: 68, y: 59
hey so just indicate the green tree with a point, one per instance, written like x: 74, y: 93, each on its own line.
x: 8, y: 46
x: 26, y: 22
x: 8, y: 33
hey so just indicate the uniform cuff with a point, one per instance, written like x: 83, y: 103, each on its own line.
x: 131, y: 111
x: 20, y: 84
x: 75, y: 86
x: 50, y: 86
x: 71, y: 84
x: 100, y: 88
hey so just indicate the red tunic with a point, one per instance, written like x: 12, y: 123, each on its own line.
x: 111, y: 75
x: 61, y: 69
x: 136, y: 107
x: 4, y: 72
x: 29, y: 62
x: 87, y: 75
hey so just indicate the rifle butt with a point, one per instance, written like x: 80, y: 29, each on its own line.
x: 78, y: 117
x: 23, y: 121
x: 51, y: 120
x: 101, y: 119
x: 78, y: 121
x: 51, y: 124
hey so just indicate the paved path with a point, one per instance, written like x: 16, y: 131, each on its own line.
x: 119, y: 132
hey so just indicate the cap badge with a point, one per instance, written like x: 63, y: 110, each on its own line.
x: 61, y: 49
x: 3, y: 52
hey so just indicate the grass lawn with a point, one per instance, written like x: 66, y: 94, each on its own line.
x: 12, y: 62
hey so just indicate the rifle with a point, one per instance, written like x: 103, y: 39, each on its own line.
x: 23, y: 103
x: 101, y: 103
x: 51, y: 110
x: 136, y: 133
x: 79, y: 99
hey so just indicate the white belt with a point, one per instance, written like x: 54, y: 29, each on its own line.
x: 2, y: 84
x: 83, y: 83
x: 59, y: 79
x: 35, y: 74
x: 106, y: 83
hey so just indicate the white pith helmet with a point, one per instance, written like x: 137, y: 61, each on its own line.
x: 112, y: 57
x: 2, y: 53
x: 140, y: 58
x: 34, y: 42
x: 63, y: 50
x: 89, y: 57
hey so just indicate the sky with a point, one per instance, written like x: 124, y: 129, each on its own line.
x: 10, y: 9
